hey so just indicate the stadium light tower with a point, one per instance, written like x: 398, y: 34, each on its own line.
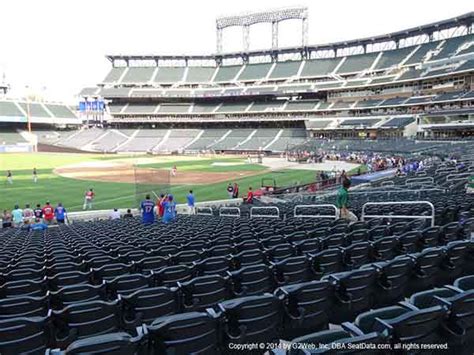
x: 273, y: 16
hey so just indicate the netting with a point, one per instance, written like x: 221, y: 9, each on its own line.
x: 153, y: 182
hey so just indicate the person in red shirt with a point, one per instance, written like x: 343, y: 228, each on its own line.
x: 48, y: 213
x: 250, y: 196
x: 88, y: 198
x: 159, y: 205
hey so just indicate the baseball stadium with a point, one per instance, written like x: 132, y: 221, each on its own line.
x: 293, y: 200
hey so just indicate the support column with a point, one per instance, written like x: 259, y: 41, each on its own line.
x: 274, y: 34
x: 246, y: 37
x: 304, y: 32
x: 219, y: 40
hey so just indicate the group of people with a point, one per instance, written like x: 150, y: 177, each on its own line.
x: 233, y: 190
x: 34, y: 219
x: 164, y: 209
x: 10, y: 176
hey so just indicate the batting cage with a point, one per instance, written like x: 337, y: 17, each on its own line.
x: 153, y: 182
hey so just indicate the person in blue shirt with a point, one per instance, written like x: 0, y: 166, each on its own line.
x: 148, y: 213
x: 169, y: 210
x: 191, y: 200
x: 38, y: 225
x: 60, y: 213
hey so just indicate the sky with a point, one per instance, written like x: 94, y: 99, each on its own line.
x: 54, y: 48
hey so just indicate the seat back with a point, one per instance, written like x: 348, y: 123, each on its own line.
x: 187, y: 333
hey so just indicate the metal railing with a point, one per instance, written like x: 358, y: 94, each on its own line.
x: 269, y: 208
x: 364, y: 216
x: 225, y: 212
x: 296, y: 215
x: 204, y: 211
x: 401, y: 191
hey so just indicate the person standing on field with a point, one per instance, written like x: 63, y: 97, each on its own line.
x: 9, y: 177
x: 230, y: 190
x: 35, y: 176
x: 190, y: 199
x: 235, y: 194
x: 88, y: 199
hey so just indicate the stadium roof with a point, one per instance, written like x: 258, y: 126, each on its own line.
x: 463, y: 20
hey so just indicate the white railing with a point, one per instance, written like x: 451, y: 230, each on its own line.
x: 364, y: 216
x: 387, y: 183
x: 204, y: 211
x: 401, y: 191
x: 254, y: 212
x: 296, y: 215
x: 226, y: 212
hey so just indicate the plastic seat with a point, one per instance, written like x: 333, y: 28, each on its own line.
x: 307, y: 246
x: 185, y: 257
x: 248, y: 257
x: 25, y: 335
x: 23, y: 307
x: 23, y: 288
x: 114, y: 344
x: 151, y: 263
x: 170, y: 275
x: 127, y: 284
x: 68, y: 295
x: 465, y: 283
x: 144, y: 306
x: 295, y: 269
x: 392, y: 280
x: 251, y: 319
x: 408, y: 242
x: 356, y: 255
x: 217, y: 265
x: 384, y: 248
x: 306, y: 307
x: 203, y: 292
x: 187, y: 333
x: 427, y: 267
x: 82, y: 320
x: 357, y: 236
x: 18, y: 274
x: 353, y: 291
x: 333, y: 241
x: 252, y: 280
x: 111, y: 271
x: 326, y: 262
x: 426, y: 299
x: 280, y: 252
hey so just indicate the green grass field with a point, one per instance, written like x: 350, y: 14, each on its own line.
x: 121, y: 195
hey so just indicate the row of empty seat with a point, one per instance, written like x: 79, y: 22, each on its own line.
x: 377, y: 61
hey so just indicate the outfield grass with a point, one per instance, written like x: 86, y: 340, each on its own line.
x: 109, y: 195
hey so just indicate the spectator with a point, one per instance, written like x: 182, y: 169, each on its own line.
x: 190, y: 199
x: 236, y: 191
x: 28, y: 214
x: 17, y: 215
x: 148, y: 213
x: 38, y: 211
x: 342, y: 201
x: 230, y: 190
x: 60, y: 213
x: 169, y: 210
x: 159, y: 205
x: 115, y: 214
x: 38, y: 225
x: 6, y: 219
x: 250, y: 196
x: 128, y: 214
x: 48, y: 213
